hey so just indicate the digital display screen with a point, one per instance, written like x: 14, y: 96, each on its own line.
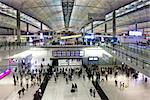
x: 135, y: 33
x: 89, y: 36
x: 93, y: 58
x: 90, y: 58
x: 71, y: 53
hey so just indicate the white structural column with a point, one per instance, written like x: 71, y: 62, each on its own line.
x: 114, y: 23
x: 18, y: 26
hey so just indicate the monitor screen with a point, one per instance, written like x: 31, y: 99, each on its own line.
x: 89, y: 36
x: 95, y: 58
x: 135, y: 33
x: 91, y: 58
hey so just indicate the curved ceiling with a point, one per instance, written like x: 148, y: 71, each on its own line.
x: 128, y: 21
x: 51, y: 12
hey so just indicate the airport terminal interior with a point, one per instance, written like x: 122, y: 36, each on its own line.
x: 74, y: 49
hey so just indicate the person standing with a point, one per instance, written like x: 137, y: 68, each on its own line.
x: 27, y: 85
x: 14, y: 80
x: 94, y: 93
x: 17, y: 78
x: 120, y: 85
x: 21, y: 82
x: 116, y: 83
x: 91, y: 91
x: 106, y: 76
x: 72, y: 86
x: 123, y: 85
x: 55, y: 79
x: 75, y: 86
x: 66, y: 80
x: 83, y: 77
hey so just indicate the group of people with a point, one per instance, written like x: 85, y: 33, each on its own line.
x: 92, y: 92
x: 38, y: 94
x: 34, y: 77
x: 21, y: 91
x: 74, y: 88
x: 25, y: 77
x: 121, y: 85
x: 120, y: 70
x: 47, y: 76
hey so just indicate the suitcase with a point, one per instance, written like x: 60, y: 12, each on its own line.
x: 72, y: 90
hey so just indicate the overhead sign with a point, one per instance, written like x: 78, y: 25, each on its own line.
x: 70, y: 37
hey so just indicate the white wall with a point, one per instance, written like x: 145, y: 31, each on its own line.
x: 65, y: 62
x: 46, y: 53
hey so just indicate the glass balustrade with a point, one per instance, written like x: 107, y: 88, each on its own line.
x: 124, y: 55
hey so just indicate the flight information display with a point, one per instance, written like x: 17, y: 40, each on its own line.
x: 93, y: 58
x: 68, y: 53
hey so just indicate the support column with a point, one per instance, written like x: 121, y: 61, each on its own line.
x: 27, y: 27
x: 92, y: 27
x: 14, y: 32
x: 105, y: 27
x: 114, y: 23
x: 84, y: 30
x: 136, y: 26
x: 18, y: 26
x: 41, y: 26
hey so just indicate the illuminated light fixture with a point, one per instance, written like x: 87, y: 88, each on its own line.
x: 30, y: 39
x: 5, y: 73
x: 41, y: 36
x: 72, y: 36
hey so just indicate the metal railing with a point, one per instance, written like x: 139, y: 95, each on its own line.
x: 11, y: 45
x: 132, y: 59
x: 140, y: 50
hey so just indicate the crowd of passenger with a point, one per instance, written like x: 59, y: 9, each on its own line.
x: 26, y: 78
x: 54, y: 73
x: 101, y: 75
x: 94, y: 73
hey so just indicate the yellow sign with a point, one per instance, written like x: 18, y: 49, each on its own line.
x: 70, y: 37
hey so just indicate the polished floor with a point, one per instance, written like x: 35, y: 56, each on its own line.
x: 10, y: 92
x: 133, y: 90
x: 61, y: 91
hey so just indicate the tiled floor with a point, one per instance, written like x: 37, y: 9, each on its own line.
x: 61, y: 91
x: 135, y: 90
x: 9, y: 92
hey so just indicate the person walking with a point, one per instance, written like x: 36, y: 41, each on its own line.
x: 23, y: 89
x: 94, y: 93
x: 21, y: 82
x: 19, y: 93
x: 27, y: 85
x: 116, y: 83
x: 91, y: 91
x: 66, y: 80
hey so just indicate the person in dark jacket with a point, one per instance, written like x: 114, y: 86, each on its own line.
x: 19, y: 93
x: 91, y: 91
x: 23, y: 89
